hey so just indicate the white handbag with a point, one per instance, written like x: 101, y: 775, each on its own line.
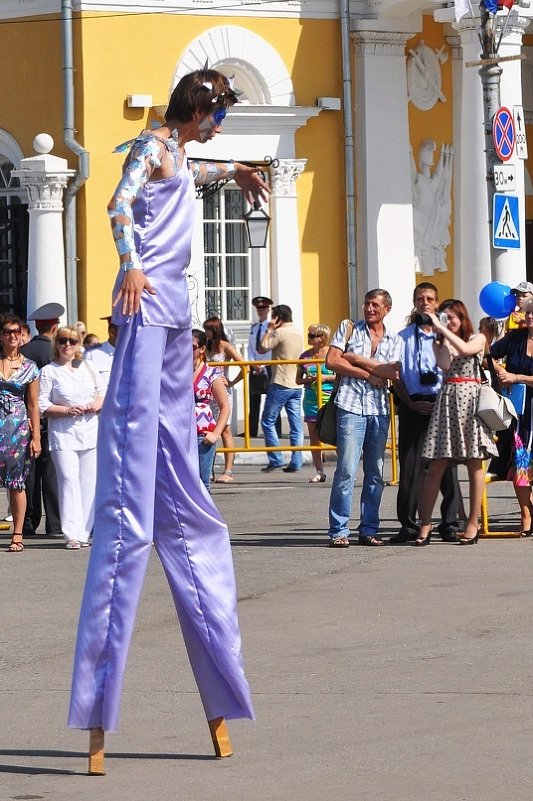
x: 493, y: 409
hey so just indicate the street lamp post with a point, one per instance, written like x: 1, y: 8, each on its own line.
x: 490, y: 37
x: 490, y: 74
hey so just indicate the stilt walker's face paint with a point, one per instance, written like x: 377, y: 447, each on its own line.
x: 211, y: 124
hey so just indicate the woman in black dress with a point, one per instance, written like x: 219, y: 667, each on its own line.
x: 516, y: 349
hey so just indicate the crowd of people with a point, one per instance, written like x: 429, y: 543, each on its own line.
x: 52, y: 389
x: 434, y: 368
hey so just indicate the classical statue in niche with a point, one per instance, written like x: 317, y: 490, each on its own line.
x: 432, y: 206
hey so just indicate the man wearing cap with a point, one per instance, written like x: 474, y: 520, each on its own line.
x: 42, y: 480
x: 522, y: 292
x: 101, y: 356
x: 259, y: 376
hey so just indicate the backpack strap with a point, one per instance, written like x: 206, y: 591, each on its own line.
x: 349, y: 331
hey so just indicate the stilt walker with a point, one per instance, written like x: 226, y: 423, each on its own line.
x: 148, y: 486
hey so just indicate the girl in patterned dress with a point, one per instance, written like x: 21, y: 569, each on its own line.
x: 208, y: 383
x: 20, y: 428
x: 220, y: 349
x: 455, y: 433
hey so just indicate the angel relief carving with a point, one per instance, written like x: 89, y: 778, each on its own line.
x: 432, y: 206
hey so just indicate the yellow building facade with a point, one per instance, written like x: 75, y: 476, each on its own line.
x: 288, y: 58
x: 130, y: 54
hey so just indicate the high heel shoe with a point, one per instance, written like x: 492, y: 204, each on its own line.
x: 427, y: 539
x: 469, y: 540
x: 319, y: 478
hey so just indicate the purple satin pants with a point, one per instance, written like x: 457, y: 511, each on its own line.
x: 149, y: 490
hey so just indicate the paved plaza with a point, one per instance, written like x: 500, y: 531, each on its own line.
x: 378, y: 674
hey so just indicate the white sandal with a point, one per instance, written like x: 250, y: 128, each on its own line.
x: 225, y: 477
x: 319, y: 478
x: 73, y: 545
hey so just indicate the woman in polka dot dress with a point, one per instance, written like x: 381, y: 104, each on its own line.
x: 455, y: 433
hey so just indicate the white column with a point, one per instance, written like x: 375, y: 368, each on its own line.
x: 286, y: 281
x: 45, y: 177
x: 472, y: 218
x: 512, y: 269
x: 385, y: 240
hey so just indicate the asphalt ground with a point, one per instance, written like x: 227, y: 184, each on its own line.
x: 383, y: 674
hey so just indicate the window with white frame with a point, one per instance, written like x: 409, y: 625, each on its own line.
x: 227, y: 268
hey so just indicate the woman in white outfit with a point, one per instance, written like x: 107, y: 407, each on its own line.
x: 70, y: 396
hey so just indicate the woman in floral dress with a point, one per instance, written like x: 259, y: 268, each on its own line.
x: 20, y: 430
x: 455, y: 432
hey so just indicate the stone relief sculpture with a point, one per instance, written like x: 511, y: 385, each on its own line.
x: 432, y: 206
x: 424, y: 79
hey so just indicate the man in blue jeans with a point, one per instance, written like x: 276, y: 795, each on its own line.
x: 365, y: 359
x: 286, y: 344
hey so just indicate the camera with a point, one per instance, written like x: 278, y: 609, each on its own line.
x: 443, y: 318
x: 429, y: 379
x: 423, y: 319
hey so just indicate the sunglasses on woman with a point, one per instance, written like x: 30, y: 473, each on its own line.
x: 218, y: 115
x: 11, y: 332
x: 67, y: 341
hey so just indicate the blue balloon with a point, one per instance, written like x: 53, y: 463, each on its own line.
x: 496, y: 300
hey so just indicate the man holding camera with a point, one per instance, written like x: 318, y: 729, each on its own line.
x: 417, y: 391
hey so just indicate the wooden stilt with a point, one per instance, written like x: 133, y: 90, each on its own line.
x: 220, y: 737
x: 96, y: 752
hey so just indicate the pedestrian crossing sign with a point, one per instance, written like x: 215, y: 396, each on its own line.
x: 505, y: 221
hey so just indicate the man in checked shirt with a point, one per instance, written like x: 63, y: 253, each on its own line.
x: 366, y: 360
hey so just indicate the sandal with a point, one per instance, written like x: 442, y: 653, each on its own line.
x: 225, y: 478
x: 372, y: 541
x: 319, y: 478
x: 73, y: 545
x: 16, y: 544
x: 339, y: 542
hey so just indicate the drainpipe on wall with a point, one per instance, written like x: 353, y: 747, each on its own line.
x: 351, y: 240
x: 82, y: 173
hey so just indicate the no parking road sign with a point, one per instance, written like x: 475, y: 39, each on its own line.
x: 503, y: 133
x: 505, y: 221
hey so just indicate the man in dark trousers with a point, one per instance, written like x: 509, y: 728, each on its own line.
x: 259, y: 379
x: 42, y: 476
x: 418, y: 389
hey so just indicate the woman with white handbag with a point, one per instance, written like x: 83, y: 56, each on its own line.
x: 455, y: 432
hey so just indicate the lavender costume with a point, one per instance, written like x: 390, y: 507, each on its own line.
x: 148, y: 488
